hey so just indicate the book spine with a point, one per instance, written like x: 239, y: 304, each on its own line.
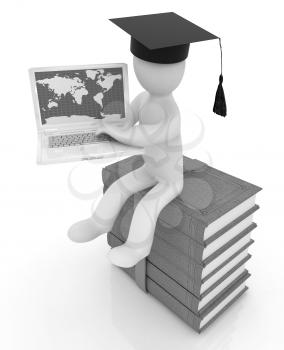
x: 165, y: 282
x: 169, y: 301
x: 173, y: 216
x: 173, y: 304
x: 181, y: 294
x: 190, y: 280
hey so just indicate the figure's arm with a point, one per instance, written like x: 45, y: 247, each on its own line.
x: 134, y: 109
x: 131, y: 118
x: 161, y: 131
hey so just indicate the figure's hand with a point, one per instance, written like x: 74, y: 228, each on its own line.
x: 100, y: 129
x: 122, y: 123
x: 109, y: 127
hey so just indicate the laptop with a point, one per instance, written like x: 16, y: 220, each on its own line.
x: 68, y: 103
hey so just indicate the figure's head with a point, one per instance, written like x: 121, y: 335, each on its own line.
x: 157, y: 78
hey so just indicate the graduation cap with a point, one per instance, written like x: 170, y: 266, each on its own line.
x: 165, y: 38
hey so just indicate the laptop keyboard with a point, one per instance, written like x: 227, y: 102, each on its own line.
x: 76, y: 139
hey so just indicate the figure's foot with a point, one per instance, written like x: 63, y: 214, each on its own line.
x: 85, y: 230
x: 125, y: 256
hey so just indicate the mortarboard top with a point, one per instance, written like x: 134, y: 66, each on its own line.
x: 161, y: 37
x: 165, y: 38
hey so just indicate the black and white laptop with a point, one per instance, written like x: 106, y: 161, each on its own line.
x: 68, y: 103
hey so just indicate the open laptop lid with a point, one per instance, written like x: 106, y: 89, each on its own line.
x: 74, y: 97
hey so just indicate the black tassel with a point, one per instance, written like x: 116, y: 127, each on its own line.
x: 220, y: 106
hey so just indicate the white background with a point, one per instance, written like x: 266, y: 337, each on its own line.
x: 56, y: 294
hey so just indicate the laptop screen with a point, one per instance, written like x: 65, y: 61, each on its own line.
x: 66, y: 95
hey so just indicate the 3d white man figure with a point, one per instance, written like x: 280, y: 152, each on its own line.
x: 160, y: 45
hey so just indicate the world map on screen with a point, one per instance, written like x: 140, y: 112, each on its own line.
x: 78, y: 95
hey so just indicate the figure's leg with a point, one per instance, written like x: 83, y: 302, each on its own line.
x: 109, y: 206
x: 142, y: 228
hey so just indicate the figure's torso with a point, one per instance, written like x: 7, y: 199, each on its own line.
x: 164, y: 159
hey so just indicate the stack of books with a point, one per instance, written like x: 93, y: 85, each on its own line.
x: 197, y: 263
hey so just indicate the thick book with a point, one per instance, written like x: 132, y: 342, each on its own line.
x: 194, y: 303
x: 178, y: 240
x: 210, y: 201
